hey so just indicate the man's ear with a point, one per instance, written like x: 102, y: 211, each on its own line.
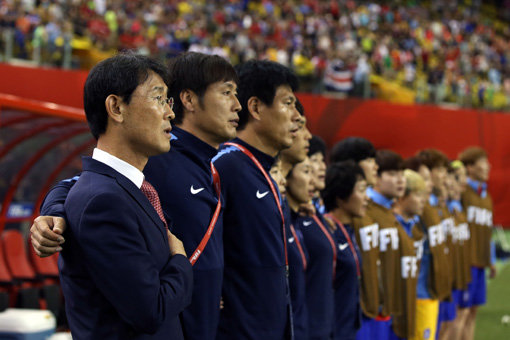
x: 254, y: 106
x: 115, y: 107
x: 188, y: 99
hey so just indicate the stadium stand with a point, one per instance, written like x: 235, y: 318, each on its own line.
x: 443, y: 52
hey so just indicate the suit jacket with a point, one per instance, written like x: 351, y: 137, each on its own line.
x: 118, y: 277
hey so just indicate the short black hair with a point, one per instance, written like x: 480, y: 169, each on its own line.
x: 413, y: 163
x: 341, y: 177
x: 433, y: 158
x: 355, y: 148
x: 119, y: 75
x: 388, y: 160
x: 261, y: 78
x: 471, y: 155
x: 196, y: 71
x: 317, y: 144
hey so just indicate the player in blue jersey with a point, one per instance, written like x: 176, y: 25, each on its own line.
x: 374, y: 323
x: 315, y: 242
x: 297, y: 252
x: 204, y: 88
x: 345, y: 198
x: 311, y: 289
x: 299, y: 189
x: 255, y: 286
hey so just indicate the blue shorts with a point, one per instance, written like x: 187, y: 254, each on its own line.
x: 476, y: 294
x: 457, y: 296
x: 464, y: 300
x: 373, y: 329
x: 447, y: 311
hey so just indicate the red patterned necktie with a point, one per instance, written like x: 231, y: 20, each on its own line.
x: 151, y: 193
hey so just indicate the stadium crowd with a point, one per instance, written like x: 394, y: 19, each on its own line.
x: 444, y: 51
x: 280, y: 245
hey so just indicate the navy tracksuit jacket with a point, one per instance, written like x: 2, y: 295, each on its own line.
x: 183, y: 180
x: 347, y: 296
x: 255, y: 291
x: 297, y: 274
x: 319, y: 277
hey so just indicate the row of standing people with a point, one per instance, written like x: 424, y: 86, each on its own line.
x: 240, y: 234
x: 412, y: 238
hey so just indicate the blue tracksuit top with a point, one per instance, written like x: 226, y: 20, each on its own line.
x: 347, y: 296
x: 297, y: 275
x: 53, y: 203
x: 255, y: 292
x: 319, y: 277
x: 183, y: 180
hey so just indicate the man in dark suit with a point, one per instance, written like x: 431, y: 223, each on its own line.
x: 206, y: 106
x: 123, y: 274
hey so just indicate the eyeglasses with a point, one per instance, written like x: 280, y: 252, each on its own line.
x: 165, y: 101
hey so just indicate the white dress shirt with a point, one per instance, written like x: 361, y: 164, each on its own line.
x: 126, y: 169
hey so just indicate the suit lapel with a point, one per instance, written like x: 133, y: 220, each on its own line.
x: 93, y: 165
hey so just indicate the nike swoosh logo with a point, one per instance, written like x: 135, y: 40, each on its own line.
x: 291, y: 239
x: 307, y: 223
x: 343, y: 246
x: 195, y: 191
x: 261, y: 195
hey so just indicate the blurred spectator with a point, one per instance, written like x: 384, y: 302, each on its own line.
x: 450, y: 50
x: 338, y: 77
